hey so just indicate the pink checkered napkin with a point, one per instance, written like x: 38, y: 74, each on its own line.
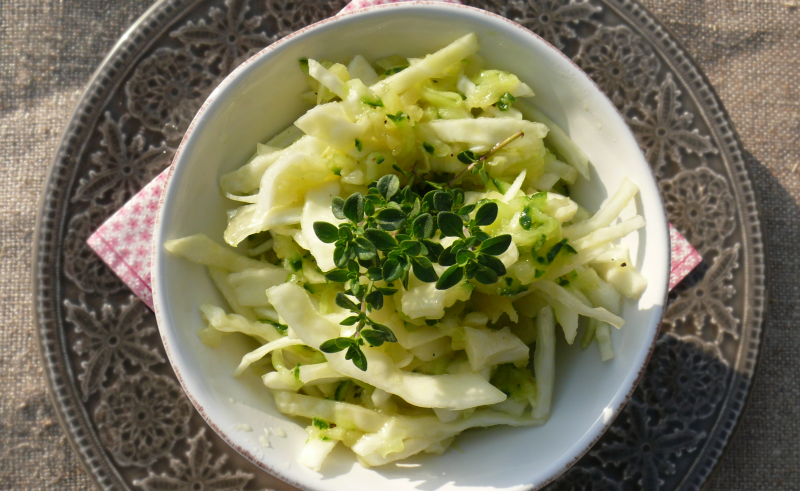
x: 124, y: 241
x: 684, y: 257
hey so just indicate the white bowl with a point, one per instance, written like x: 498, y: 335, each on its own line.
x: 262, y: 97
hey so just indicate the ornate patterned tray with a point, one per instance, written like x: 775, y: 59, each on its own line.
x: 118, y: 399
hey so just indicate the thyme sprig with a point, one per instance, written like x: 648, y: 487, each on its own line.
x: 475, y: 163
x: 389, y: 234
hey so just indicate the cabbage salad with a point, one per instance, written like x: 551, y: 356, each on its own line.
x: 405, y: 254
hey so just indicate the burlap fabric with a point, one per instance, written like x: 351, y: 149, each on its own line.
x: 748, y: 48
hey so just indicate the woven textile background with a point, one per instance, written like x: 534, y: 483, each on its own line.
x: 748, y: 48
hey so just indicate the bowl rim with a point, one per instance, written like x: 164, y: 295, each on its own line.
x: 595, y: 431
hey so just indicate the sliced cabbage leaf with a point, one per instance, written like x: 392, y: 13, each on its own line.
x: 219, y: 320
x: 220, y: 279
x: 318, y: 209
x: 485, y: 132
x: 624, y: 278
x: 433, y: 350
x: 486, y: 348
x: 319, y: 373
x: 603, y: 335
x: 286, y: 181
x: 494, y: 306
x: 360, y: 68
x: 518, y: 383
x: 512, y: 191
x: 326, y: 78
x: 558, y: 139
x: 429, y: 66
x: 490, y: 85
x: 544, y: 362
x: 603, y: 294
x: 556, y: 292
x: 567, y: 318
x: 241, y: 224
x: 560, y: 207
x: 202, y: 250
x: 250, y: 285
x: 314, y: 452
x: 384, y: 431
x: 608, y: 234
x: 607, y: 213
x: 263, y: 351
x: 424, y: 300
x: 348, y: 416
x: 331, y: 124
x: 407, y: 337
x: 460, y: 391
x: 247, y: 178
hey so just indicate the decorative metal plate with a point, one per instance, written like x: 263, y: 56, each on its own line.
x: 118, y: 399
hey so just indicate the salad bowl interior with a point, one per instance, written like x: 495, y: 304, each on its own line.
x: 261, y: 98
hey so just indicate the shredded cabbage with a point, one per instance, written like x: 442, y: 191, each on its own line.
x: 460, y: 391
x: 462, y: 355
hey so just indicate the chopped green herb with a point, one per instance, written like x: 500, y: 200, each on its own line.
x: 539, y: 243
x: 398, y: 118
x: 341, y: 390
x: 320, y: 423
x: 359, y: 145
x: 377, y: 102
x: 505, y: 101
x: 553, y: 252
x: 380, y: 159
x: 280, y: 327
x: 428, y: 147
x: 397, y: 69
x: 525, y: 220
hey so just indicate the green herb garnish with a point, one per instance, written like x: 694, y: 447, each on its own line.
x: 475, y: 163
x: 280, y: 327
x: 387, y: 235
x: 399, y: 117
x: 377, y: 102
x: 505, y: 101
